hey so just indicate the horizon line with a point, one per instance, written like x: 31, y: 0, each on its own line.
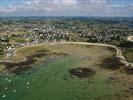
x: 74, y: 16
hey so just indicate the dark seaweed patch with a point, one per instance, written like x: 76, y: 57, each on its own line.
x: 21, y: 70
x: 21, y: 66
x: 111, y: 63
x: 129, y: 70
x: 82, y: 72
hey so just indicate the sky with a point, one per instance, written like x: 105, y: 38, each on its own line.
x: 116, y: 8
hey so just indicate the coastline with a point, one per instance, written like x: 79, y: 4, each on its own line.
x: 119, y: 53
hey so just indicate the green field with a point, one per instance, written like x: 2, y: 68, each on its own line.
x: 50, y: 79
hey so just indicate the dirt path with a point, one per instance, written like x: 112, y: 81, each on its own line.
x: 130, y: 38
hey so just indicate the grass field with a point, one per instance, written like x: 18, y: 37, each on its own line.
x: 21, y: 53
x: 128, y: 53
x: 17, y: 40
x: 50, y: 79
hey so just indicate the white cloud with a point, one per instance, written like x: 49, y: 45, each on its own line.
x: 65, y: 2
x: 98, y: 1
x: 68, y: 7
x: 7, y: 9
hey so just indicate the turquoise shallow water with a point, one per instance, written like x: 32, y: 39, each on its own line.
x: 51, y: 81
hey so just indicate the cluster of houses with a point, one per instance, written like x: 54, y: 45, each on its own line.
x: 40, y: 31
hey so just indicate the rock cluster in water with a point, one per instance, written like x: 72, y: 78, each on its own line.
x: 82, y: 72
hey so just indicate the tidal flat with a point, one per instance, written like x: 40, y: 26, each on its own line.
x: 48, y: 78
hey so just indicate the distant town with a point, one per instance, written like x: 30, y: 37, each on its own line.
x: 19, y: 31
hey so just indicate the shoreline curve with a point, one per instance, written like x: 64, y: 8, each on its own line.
x: 119, y: 53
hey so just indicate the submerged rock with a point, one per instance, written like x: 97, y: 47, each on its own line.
x: 129, y: 70
x: 111, y: 63
x: 82, y: 72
